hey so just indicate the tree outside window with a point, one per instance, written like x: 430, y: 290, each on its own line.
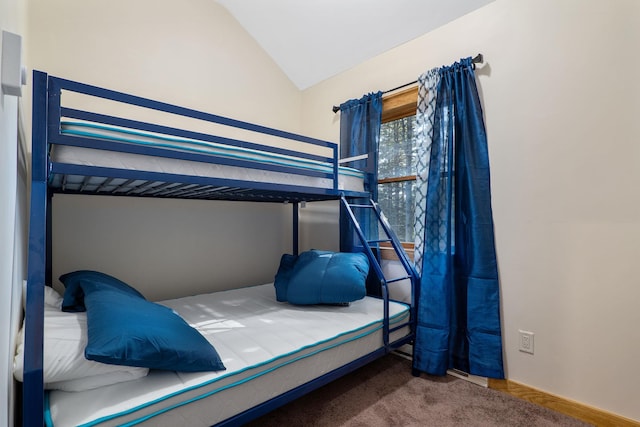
x: 397, y: 163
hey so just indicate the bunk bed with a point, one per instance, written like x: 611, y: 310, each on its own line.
x: 84, y: 151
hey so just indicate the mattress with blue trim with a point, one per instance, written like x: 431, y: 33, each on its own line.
x: 349, y: 178
x: 268, y: 348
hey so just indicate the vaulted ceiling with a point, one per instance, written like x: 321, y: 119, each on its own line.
x: 312, y: 40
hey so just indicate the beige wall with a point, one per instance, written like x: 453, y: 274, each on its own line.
x: 170, y: 248
x: 562, y: 107
x: 190, y: 53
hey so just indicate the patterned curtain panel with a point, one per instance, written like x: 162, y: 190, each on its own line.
x: 359, y: 134
x: 427, y: 92
x: 459, y: 304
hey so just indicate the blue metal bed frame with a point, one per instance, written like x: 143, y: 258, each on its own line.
x: 46, y: 131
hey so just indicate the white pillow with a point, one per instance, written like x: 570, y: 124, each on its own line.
x: 65, y: 337
x: 51, y: 296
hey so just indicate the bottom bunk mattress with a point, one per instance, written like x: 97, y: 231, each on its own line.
x: 267, y: 347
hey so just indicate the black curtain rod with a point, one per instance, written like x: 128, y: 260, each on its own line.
x: 478, y: 59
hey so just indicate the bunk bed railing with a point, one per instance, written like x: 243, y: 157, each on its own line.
x: 57, y: 113
x: 78, y: 140
x: 39, y: 261
x: 56, y: 85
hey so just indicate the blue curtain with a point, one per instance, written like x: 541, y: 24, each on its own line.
x: 359, y: 134
x: 459, y: 303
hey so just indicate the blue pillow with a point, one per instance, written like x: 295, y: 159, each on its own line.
x: 73, y: 299
x: 281, y: 282
x: 321, y: 277
x: 124, y: 329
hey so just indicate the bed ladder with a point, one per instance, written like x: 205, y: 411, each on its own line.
x: 368, y: 245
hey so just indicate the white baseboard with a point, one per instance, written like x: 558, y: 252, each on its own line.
x: 481, y: 381
x: 406, y: 351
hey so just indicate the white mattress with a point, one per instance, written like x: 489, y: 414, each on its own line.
x: 267, y: 347
x: 349, y: 178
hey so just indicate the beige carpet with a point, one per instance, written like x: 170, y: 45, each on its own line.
x: 384, y: 393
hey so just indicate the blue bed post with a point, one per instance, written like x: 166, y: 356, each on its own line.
x: 296, y: 230
x: 38, y: 264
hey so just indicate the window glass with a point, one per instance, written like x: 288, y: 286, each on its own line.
x: 397, y: 154
x: 396, y: 199
x: 396, y: 175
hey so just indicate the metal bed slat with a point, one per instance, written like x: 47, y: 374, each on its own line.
x: 131, y: 188
x: 223, y: 193
x: 85, y: 182
x: 118, y: 187
x: 310, y: 193
x: 218, y: 191
x: 153, y: 190
x: 200, y: 189
x: 178, y: 190
x: 170, y: 191
x: 104, y: 184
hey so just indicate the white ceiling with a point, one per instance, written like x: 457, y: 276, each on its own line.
x: 312, y: 40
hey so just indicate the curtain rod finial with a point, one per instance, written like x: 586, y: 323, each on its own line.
x: 335, y: 109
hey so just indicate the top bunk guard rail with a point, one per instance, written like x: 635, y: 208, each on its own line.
x: 76, y: 140
x: 325, y: 166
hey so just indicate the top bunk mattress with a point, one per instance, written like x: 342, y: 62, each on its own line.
x: 349, y: 179
x: 268, y: 348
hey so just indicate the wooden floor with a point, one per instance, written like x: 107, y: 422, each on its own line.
x: 569, y: 407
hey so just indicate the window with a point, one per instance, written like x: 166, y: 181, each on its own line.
x: 397, y: 163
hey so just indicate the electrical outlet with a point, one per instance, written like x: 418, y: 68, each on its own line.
x: 525, y: 342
